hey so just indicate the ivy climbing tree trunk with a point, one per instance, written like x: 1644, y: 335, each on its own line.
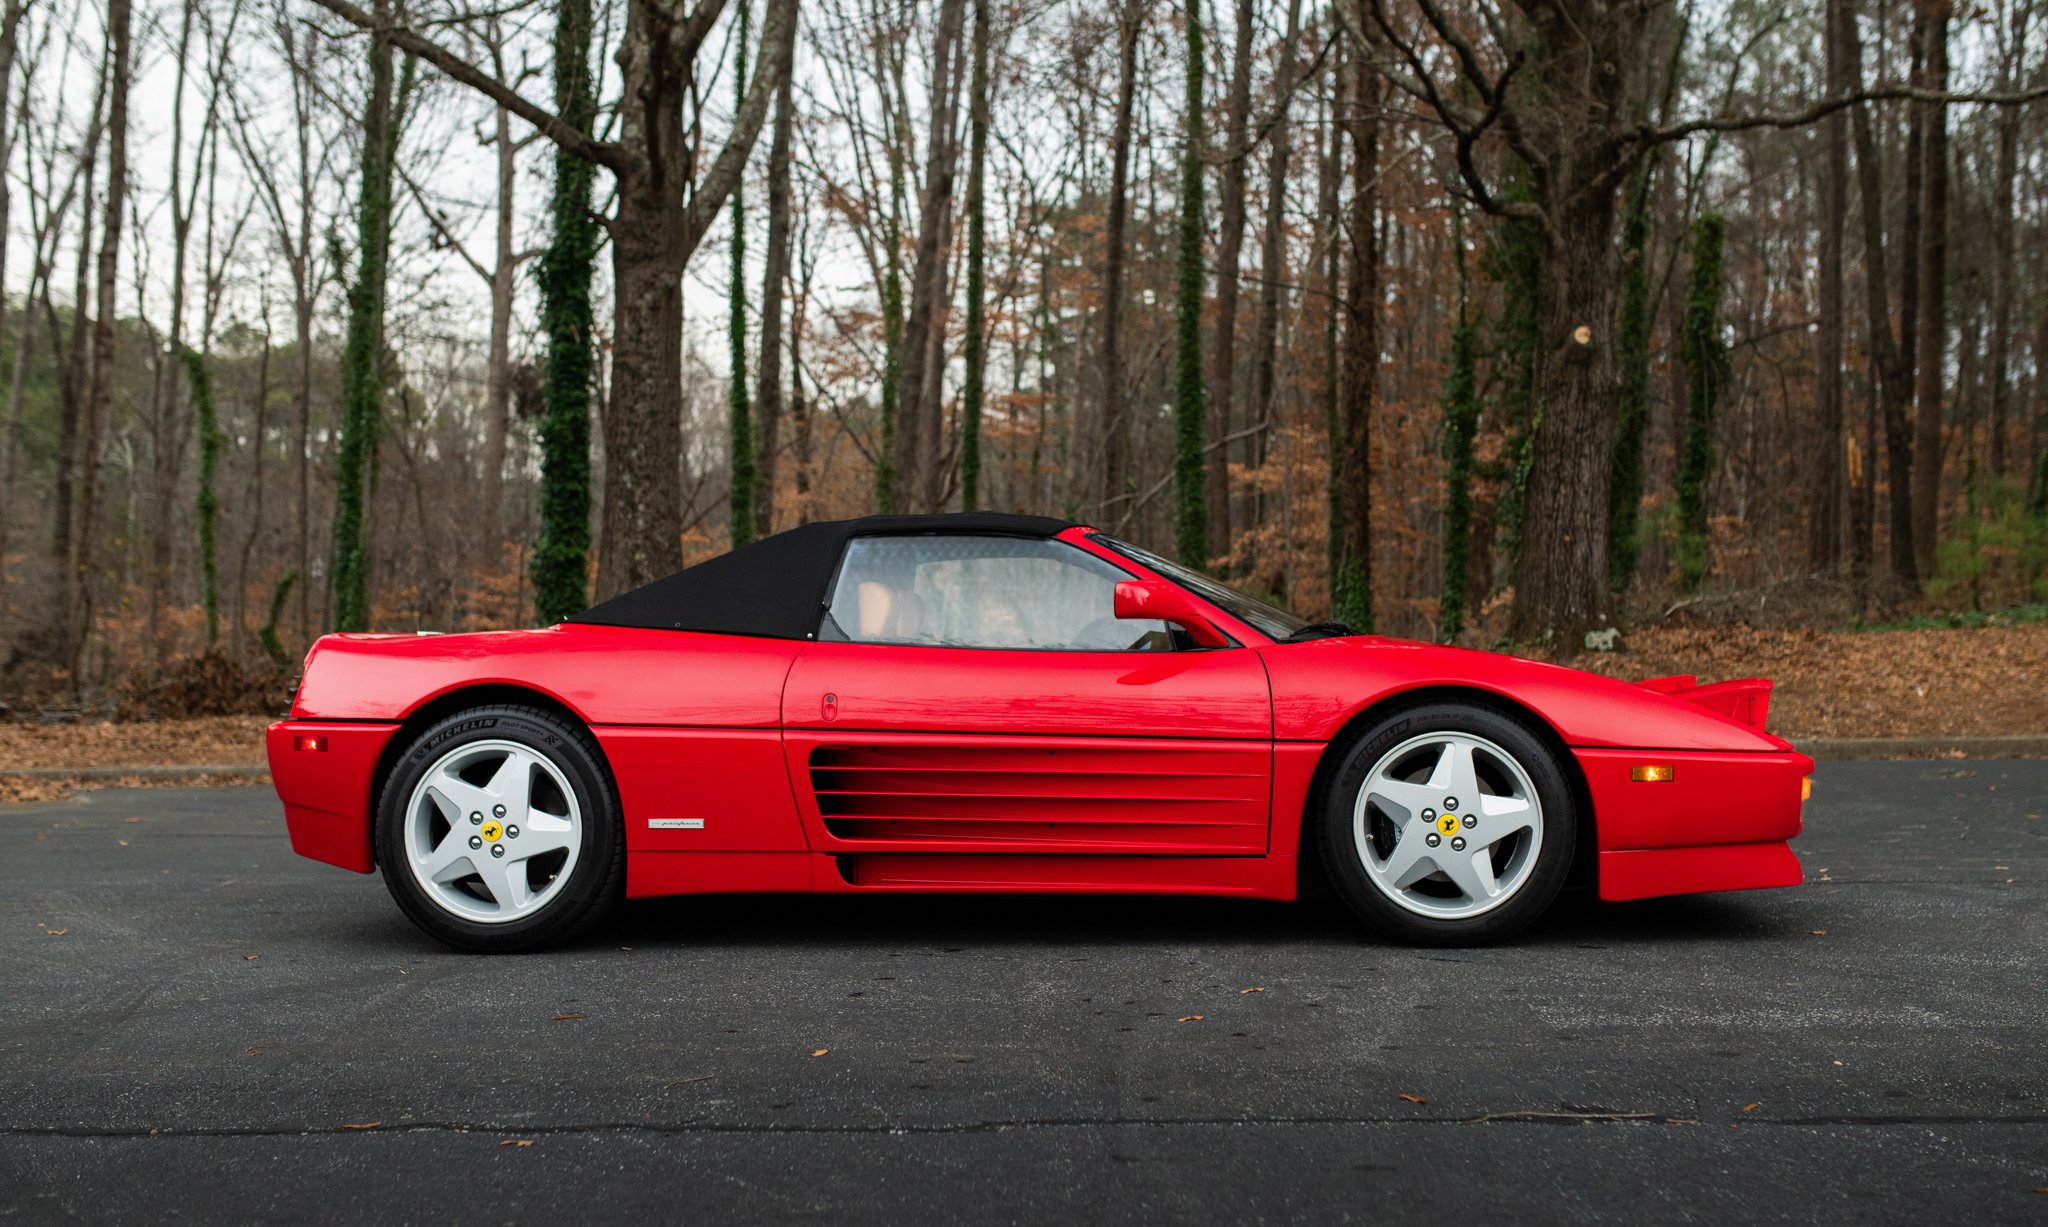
x: 977, y: 207
x: 1190, y: 413
x: 1351, y: 527
x: 1632, y: 362
x: 1706, y: 364
x: 561, y: 556
x: 740, y: 458
x: 361, y: 380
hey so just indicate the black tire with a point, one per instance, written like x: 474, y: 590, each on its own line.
x: 595, y: 883
x: 1342, y: 860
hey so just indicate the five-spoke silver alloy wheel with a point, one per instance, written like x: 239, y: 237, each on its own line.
x: 1448, y: 825
x: 492, y: 831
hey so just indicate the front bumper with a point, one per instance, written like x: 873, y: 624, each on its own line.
x: 326, y: 791
x: 1719, y: 822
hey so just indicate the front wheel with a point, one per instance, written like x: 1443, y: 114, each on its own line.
x: 1448, y: 823
x: 498, y: 830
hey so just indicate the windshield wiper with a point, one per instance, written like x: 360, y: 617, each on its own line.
x: 1319, y: 630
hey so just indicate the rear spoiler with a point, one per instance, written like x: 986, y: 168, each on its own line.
x: 1746, y: 701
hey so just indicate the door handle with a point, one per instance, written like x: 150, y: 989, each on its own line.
x: 828, y: 707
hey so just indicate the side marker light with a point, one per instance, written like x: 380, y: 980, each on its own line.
x: 317, y: 744
x: 1650, y: 775
x: 1805, y: 789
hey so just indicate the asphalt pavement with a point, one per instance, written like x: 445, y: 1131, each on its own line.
x: 196, y: 1025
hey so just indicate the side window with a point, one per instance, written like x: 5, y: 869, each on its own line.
x: 983, y: 592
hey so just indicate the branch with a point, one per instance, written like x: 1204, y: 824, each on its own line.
x: 778, y: 33
x: 550, y: 125
x: 1650, y: 134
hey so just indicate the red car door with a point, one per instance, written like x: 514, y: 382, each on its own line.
x: 905, y: 746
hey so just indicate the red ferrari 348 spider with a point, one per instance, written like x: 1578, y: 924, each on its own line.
x: 996, y: 703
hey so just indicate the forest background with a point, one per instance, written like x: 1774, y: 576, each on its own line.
x: 1505, y: 324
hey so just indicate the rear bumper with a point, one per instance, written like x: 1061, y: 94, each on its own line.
x: 326, y: 792
x: 1720, y: 822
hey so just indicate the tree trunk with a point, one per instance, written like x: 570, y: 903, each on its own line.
x: 1190, y: 413
x: 1273, y: 248
x: 1329, y: 246
x: 740, y: 458
x: 914, y: 417
x: 977, y: 207
x: 1351, y: 530
x: 2003, y: 262
x: 1229, y: 246
x: 561, y: 555
x: 1933, y: 322
x: 101, y: 385
x: 1889, y: 357
x: 642, y: 425
x: 72, y: 361
x: 769, y: 401
x: 498, y: 370
x: 1824, y: 522
x: 1561, y: 584
x: 1113, y: 489
x: 1634, y: 323
x: 1706, y: 367
x: 361, y: 373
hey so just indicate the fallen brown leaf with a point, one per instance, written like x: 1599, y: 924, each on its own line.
x: 250, y: 958
x: 516, y: 1142
x: 122, y: 842
x: 372, y: 1124
x: 55, y: 932
x: 1191, y: 1018
x: 821, y: 1052
x: 1241, y: 992
x: 1818, y: 932
x: 1751, y: 1107
x: 1406, y: 1097
x: 567, y: 1017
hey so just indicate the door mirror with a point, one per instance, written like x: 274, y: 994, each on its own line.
x: 1151, y: 600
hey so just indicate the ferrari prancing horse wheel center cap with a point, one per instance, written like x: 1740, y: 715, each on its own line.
x: 1447, y: 823
x: 492, y: 830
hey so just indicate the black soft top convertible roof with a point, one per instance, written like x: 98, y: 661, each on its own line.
x: 775, y: 588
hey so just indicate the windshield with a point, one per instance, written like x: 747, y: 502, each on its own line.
x: 1269, y: 620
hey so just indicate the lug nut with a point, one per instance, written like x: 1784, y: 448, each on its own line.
x: 497, y: 811
x: 476, y: 819
x: 1434, y: 839
x: 1428, y: 814
x: 476, y: 841
x: 512, y: 832
x: 1451, y: 803
x: 1471, y: 820
x: 1458, y: 845
x: 498, y: 850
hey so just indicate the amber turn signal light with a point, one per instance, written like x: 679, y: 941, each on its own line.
x: 309, y: 743
x: 1805, y: 789
x: 1650, y: 775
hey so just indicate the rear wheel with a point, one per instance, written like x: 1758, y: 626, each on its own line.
x: 498, y: 830
x: 1448, y: 824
